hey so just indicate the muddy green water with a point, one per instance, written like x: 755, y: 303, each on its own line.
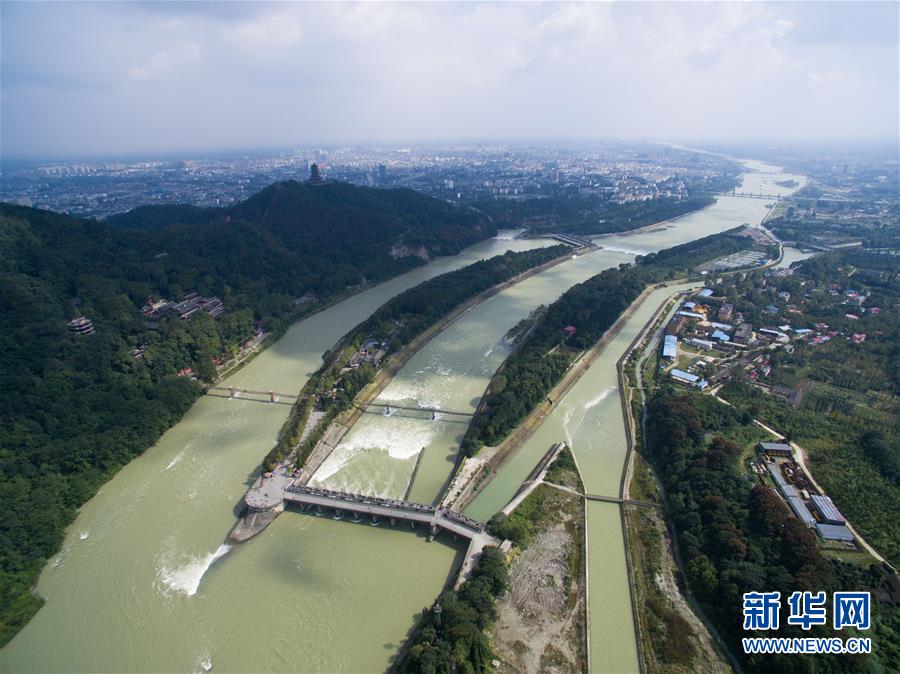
x: 144, y: 584
x: 125, y: 593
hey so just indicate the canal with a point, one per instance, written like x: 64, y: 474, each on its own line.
x: 135, y: 587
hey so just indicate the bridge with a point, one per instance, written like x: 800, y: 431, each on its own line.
x: 789, y: 197
x: 621, y: 501
x: 392, y: 510
x: 751, y: 195
x: 571, y: 240
x: 390, y: 406
x: 233, y: 392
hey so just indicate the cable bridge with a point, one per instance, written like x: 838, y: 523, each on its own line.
x: 317, y: 501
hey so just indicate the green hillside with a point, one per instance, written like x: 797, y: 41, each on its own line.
x: 75, y: 409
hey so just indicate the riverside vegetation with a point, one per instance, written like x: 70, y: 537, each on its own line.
x: 393, y: 325
x: 847, y: 419
x: 76, y: 408
x: 546, y: 351
x: 738, y: 536
x: 454, y: 639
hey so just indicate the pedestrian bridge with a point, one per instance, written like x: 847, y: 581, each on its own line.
x: 378, y: 508
x: 389, y: 406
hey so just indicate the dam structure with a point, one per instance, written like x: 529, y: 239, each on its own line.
x: 269, y: 496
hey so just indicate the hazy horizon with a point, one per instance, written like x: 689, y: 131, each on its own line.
x: 140, y: 79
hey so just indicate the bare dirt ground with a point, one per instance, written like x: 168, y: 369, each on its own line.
x: 540, y: 621
x: 662, y: 603
x: 707, y: 659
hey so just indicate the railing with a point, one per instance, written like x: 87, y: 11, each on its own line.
x: 346, y: 500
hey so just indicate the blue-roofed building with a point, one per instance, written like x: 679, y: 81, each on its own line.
x: 704, y: 344
x: 721, y: 336
x: 827, y: 510
x: 689, y: 379
x: 801, y: 511
x: 689, y: 305
x: 706, y: 292
x: 835, y: 532
x: 787, y: 490
x: 670, y: 347
x: 691, y: 314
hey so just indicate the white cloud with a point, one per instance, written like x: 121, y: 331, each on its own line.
x: 270, y: 31
x: 166, y: 61
x: 245, y: 74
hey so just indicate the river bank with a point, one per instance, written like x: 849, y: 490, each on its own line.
x: 263, y: 497
x: 125, y: 556
x: 193, y: 601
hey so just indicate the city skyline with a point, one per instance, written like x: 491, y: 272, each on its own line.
x: 166, y: 78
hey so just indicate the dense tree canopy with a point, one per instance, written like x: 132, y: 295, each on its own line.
x: 541, y: 358
x: 77, y: 408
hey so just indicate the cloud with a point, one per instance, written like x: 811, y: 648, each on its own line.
x: 166, y: 62
x: 268, y: 32
x: 252, y: 74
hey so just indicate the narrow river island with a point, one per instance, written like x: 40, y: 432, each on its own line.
x: 135, y: 587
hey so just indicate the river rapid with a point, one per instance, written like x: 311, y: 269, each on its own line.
x: 144, y: 584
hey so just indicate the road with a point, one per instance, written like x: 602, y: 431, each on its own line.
x: 800, y: 457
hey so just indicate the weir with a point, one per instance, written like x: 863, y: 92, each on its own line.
x: 571, y: 240
x: 436, y: 518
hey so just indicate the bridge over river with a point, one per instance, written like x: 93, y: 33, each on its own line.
x: 389, y: 406
x: 273, y: 491
x: 392, y: 510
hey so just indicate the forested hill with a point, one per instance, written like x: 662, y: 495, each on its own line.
x: 335, y: 216
x: 75, y: 408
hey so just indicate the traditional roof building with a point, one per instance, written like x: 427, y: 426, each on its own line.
x: 81, y: 326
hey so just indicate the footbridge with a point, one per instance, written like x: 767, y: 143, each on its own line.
x: 389, y: 406
x: 383, y: 509
x: 233, y: 392
x: 622, y: 501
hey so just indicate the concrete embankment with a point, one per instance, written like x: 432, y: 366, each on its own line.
x: 492, y: 459
x: 252, y: 523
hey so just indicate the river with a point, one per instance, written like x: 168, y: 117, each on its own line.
x: 310, y: 594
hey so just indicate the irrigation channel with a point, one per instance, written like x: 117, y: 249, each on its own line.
x: 143, y: 583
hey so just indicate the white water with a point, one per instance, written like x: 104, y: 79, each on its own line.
x: 185, y: 578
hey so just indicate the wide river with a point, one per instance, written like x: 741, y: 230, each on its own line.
x: 143, y: 583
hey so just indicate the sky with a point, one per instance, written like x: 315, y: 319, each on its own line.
x: 109, y: 78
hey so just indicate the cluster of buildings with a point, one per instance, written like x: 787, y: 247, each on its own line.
x: 699, y: 327
x: 707, y: 341
x: 465, y: 173
x: 817, y: 511
x: 372, y: 352
x: 187, y: 307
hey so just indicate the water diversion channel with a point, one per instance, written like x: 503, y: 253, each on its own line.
x: 311, y: 594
